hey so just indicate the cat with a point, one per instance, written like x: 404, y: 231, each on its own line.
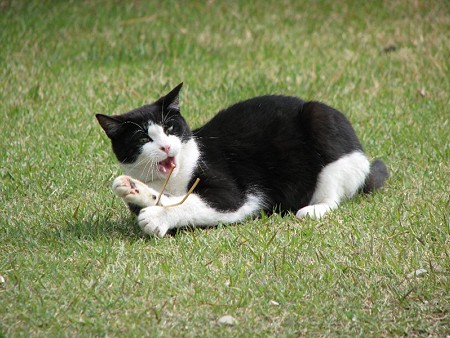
x: 268, y: 153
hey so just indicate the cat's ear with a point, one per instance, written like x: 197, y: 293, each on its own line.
x: 171, y: 101
x: 110, y: 124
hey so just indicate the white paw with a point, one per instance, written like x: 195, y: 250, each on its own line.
x: 315, y: 211
x: 124, y: 186
x: 134, y: 191
x: 153, y: 221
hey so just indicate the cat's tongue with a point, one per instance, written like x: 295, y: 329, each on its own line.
x: 166, y: 165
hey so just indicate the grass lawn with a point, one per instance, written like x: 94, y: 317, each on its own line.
x: 72, y: 260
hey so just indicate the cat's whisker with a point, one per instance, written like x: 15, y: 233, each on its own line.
x: 171, y: 119
x: 146, y: 163
x: 138, y: 132
x: 202, y: 165
x: 152, y: 170
x: 195, y: 134
x: 150, y: 165
x: 133, y: 123
x: 163, y: 118
x: 135, y: 164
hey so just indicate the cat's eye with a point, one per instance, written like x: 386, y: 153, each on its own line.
x: 169, y: 129
x: 145, y: 139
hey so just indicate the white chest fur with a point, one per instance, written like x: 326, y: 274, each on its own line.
x: 146, y: 171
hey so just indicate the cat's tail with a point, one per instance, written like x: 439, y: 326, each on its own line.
x: 377, y: 176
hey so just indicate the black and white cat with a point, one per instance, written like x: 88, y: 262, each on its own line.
x: 271, y: 153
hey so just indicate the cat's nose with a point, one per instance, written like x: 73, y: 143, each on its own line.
x: 166, y: 149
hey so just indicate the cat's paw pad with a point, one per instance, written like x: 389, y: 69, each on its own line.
x: 124, y: 186
x: 134, y: 192
x: 315, y: 211
x: 152, y: 221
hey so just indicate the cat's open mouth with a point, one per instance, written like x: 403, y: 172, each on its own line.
x: 166, y: 165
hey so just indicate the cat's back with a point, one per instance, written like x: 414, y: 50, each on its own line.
x: 253, y: 115
x: 276, y: 144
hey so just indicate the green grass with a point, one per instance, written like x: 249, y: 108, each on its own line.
x: 74, y: 262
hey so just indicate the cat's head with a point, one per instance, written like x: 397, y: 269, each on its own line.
x: 150, y: 137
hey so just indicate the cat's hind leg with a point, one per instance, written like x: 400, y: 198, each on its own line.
x: 135, y: 194
x: 340, y: 179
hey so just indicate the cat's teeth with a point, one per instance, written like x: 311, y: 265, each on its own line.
x: 167, y: 165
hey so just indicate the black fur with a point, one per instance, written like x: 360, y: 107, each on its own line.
x: 274, y: 145
x: 135, y: 209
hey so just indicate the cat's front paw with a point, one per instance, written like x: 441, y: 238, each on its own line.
x: 134, y: 192
x: 124, y: 186
x: 153, y: 221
